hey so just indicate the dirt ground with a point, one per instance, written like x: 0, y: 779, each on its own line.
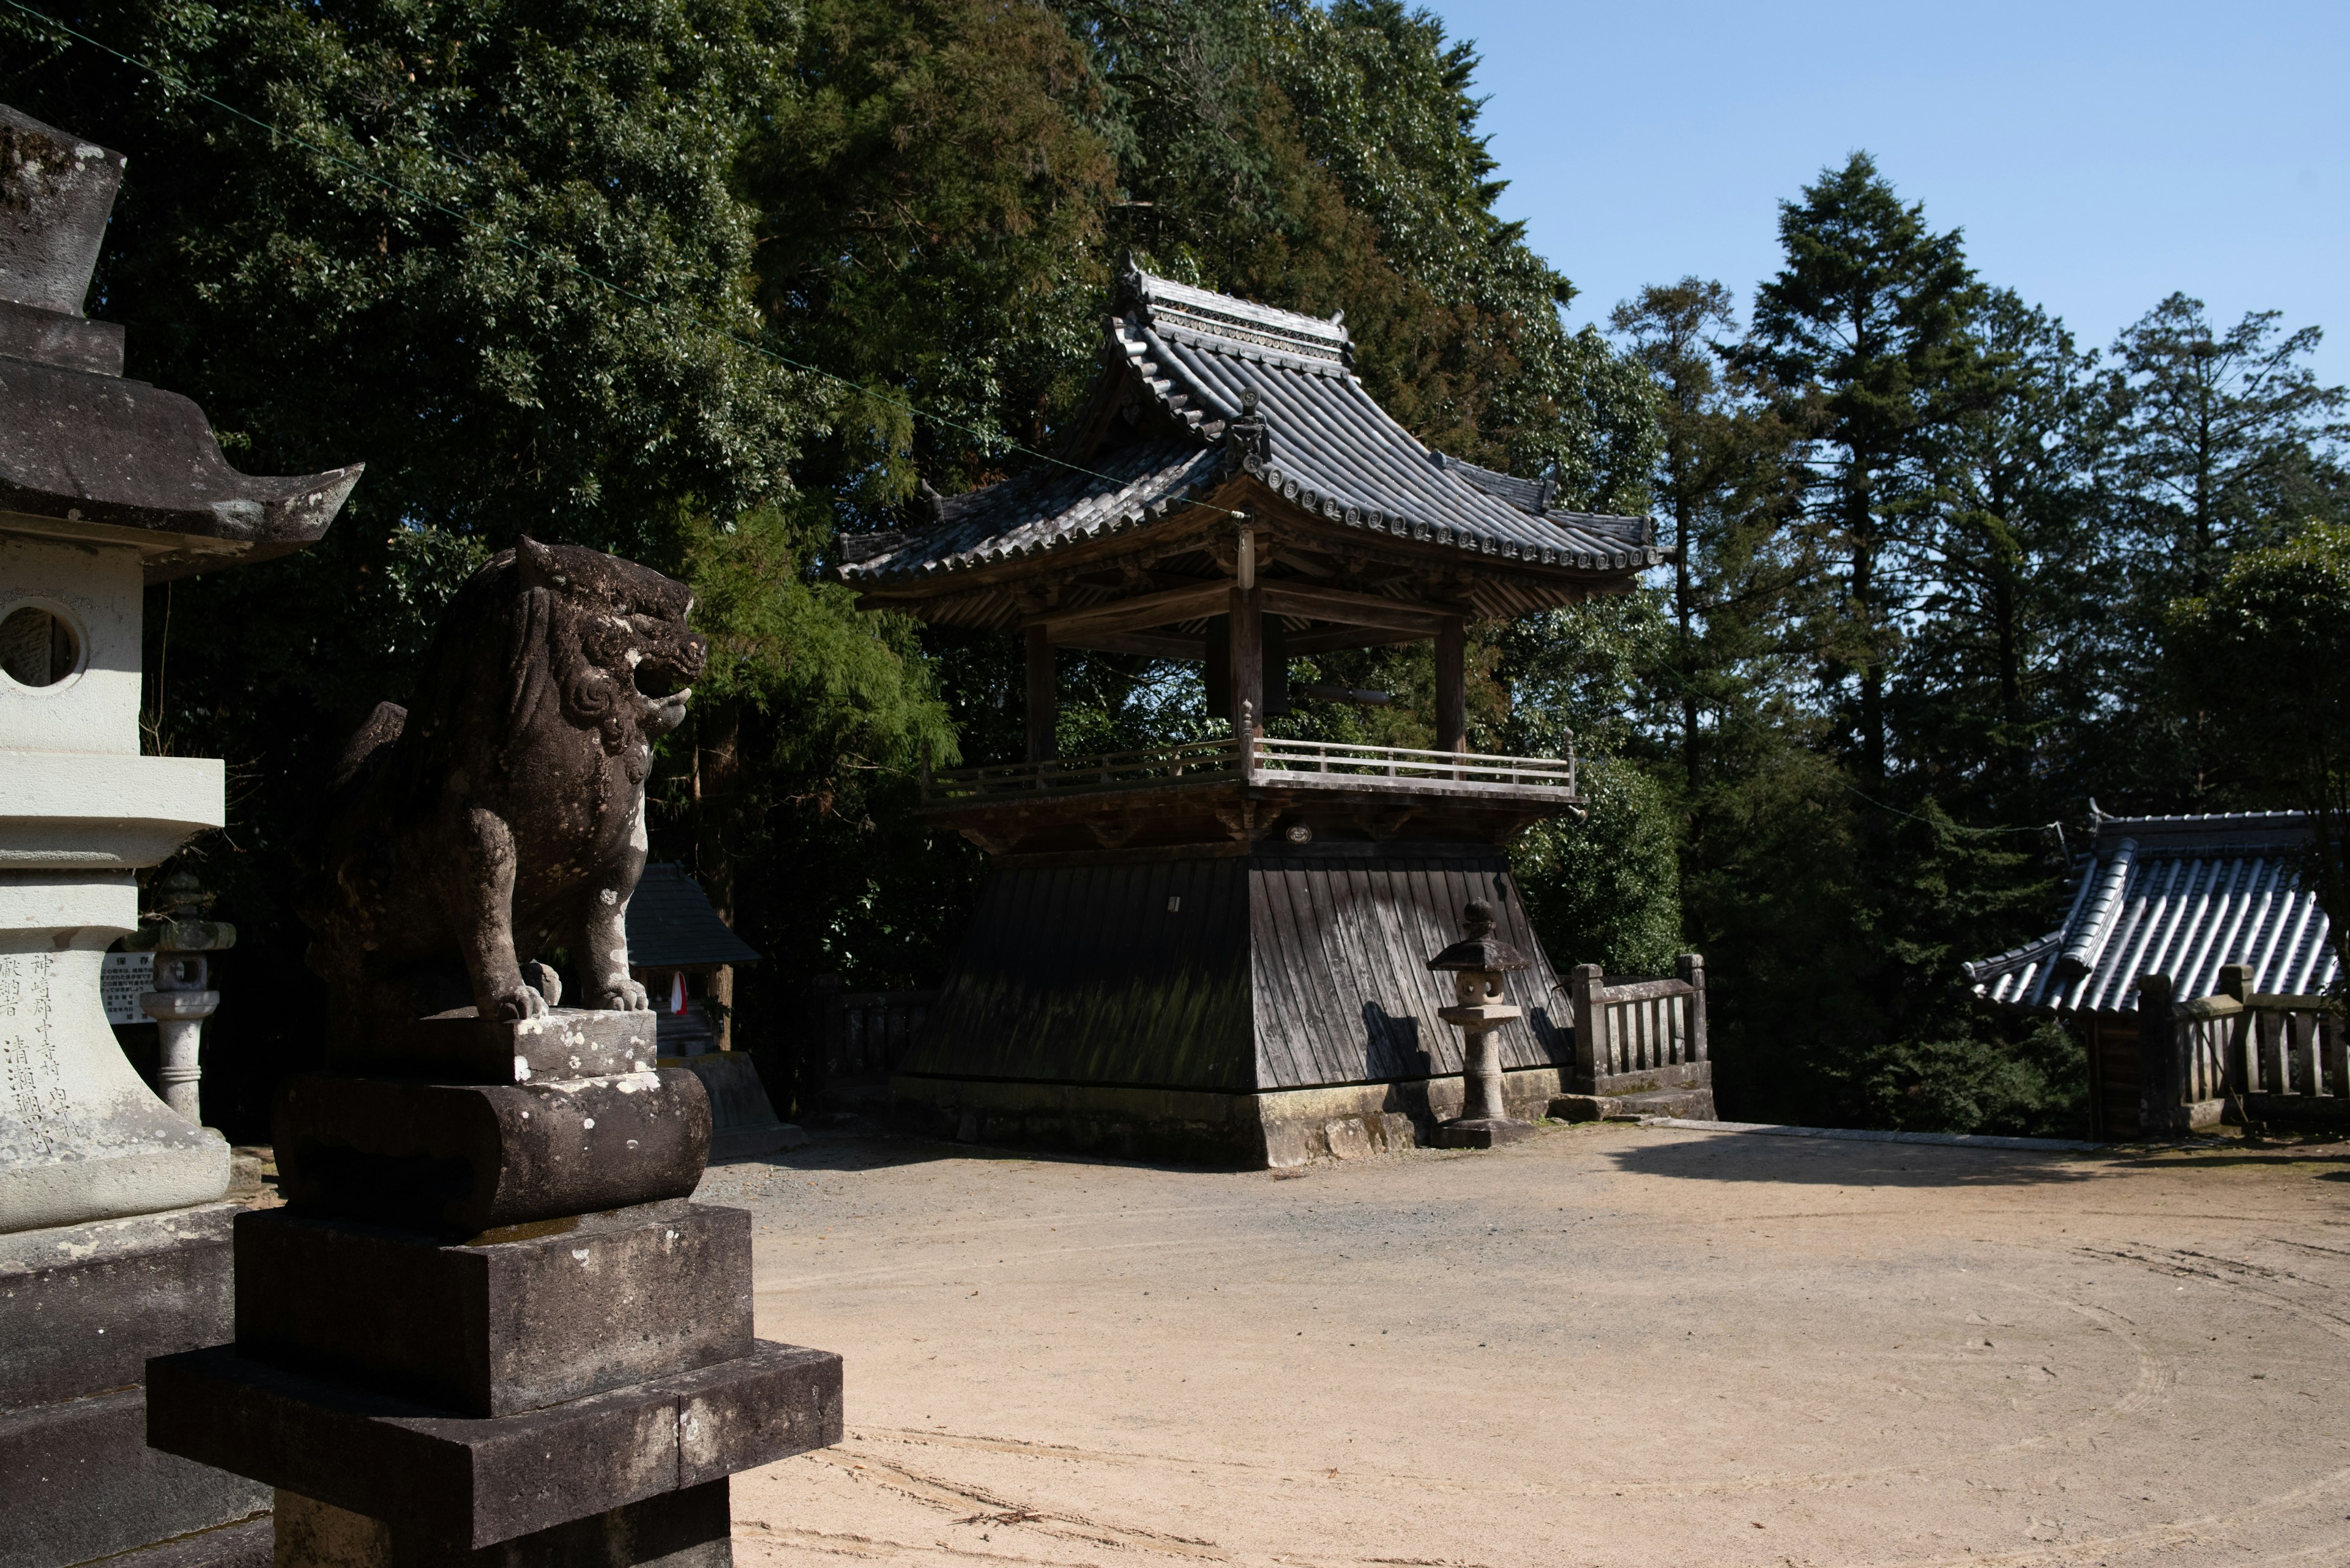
x: 1612, y: 1345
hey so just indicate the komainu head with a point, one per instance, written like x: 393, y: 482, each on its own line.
x: 624, y: 651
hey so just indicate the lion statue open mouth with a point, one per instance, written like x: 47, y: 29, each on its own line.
x: 503, y: 814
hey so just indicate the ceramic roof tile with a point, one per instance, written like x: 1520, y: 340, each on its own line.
x: 2179, y: 896
x: 1332, y: 450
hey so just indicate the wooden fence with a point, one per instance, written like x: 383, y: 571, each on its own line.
x: 866, y: 1034
x: 1270, y: 760
x: 1632, y: 1035
x: 2239, y: 1055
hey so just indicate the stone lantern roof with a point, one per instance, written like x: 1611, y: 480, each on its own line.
x: 1480, y: 952
x: 85, y: 454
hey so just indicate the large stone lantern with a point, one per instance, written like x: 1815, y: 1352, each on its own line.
x: 113, y: 1246
x: 1476, y: 963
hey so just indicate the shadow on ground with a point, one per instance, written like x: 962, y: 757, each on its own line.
x: 1833, y: 1162
x: 867, y: 1149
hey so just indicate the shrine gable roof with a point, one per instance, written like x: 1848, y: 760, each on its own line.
x: 1198, y: 389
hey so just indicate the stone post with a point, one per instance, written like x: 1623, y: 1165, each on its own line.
x: 1477, y: 964
x: 113, y: 1247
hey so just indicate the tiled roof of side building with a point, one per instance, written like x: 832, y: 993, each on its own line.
x: 1328, y: 448
x: 670, y: 924
x: 2177, y: 896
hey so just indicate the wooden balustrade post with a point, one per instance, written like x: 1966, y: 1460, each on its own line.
x: 2158, y: 1075
x: 1590, y: 1053
x: 1690, y: 968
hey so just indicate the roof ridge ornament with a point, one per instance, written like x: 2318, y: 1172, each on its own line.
x: 1248, y: 440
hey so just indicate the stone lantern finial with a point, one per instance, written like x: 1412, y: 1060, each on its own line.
x: 1476, y: 963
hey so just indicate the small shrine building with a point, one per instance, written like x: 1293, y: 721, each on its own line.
x: 1219, y: 950
x: 2214, y: 917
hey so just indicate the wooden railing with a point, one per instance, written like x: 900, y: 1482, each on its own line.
x: 1632, y: 1035
x: 1269, y: 760
x: 1189, y: 763
x: 2239, y: 1055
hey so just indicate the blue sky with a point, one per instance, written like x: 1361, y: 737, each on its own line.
x: 2097, y: 156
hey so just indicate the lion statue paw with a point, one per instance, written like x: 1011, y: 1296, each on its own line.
x: 516, y: 1002
x: 625, y: 997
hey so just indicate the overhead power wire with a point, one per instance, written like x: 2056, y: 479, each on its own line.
x: 2055, y: 828
x: 525, y: 248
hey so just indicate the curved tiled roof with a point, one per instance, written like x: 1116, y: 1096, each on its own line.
x: 1215, y: 367
x: 670, y: 924
x: 2178, y: 895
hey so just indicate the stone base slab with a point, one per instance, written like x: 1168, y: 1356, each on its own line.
x: 1691, y: 1104
x: 249, y: 1543
x: 688, y: 1529
x: 83, y: 1306
x: 1482, y: 1132
x: 1250, y: 1132
x: 504, y: 1323
x: 466, y: 1159
x: 464, y: 1483
x: 1675, y: 1076
x: 77, y: 1481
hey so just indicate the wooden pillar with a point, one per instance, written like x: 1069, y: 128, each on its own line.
x: 721, y: 992
x: 1044, y: 697
x: 1451, y: 687
x: 1248, y: 660
x: 2157, y: 1058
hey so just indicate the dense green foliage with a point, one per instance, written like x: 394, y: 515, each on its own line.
x: 1928, y: 608
x: 670, y: 277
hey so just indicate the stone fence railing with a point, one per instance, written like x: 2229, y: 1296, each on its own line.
x: 2239, y: 1055
x: 1634, y: 1035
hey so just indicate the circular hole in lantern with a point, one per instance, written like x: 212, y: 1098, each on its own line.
x: 38, y: 646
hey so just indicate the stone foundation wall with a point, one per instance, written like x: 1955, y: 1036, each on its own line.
x: 1273, y: 1130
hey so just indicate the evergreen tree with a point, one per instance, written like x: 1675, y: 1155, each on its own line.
x: 1865, y: 329
x: 2214, y: 443
x: 2207, y: 446
x: 1720, y: 488
x: 2011, y: 618
x: 2266, y: 653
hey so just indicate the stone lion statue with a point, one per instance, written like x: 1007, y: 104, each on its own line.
x: 504, y: 813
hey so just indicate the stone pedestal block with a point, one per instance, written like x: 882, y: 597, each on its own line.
x: 448, y: 1483
x: 467, y: 1158
x: 491, y: 1327
x: 82, y: 1307
x: 1482, y: 1132
x: 462, y: 1048
x: 688, y: 1529
x: 545, y: 1314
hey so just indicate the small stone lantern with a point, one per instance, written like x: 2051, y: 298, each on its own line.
x: 1476, y: 963
x: 183, y: 998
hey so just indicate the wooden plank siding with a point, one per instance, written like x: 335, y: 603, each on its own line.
x: 1083, y: 974
x: 1292, y: 968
